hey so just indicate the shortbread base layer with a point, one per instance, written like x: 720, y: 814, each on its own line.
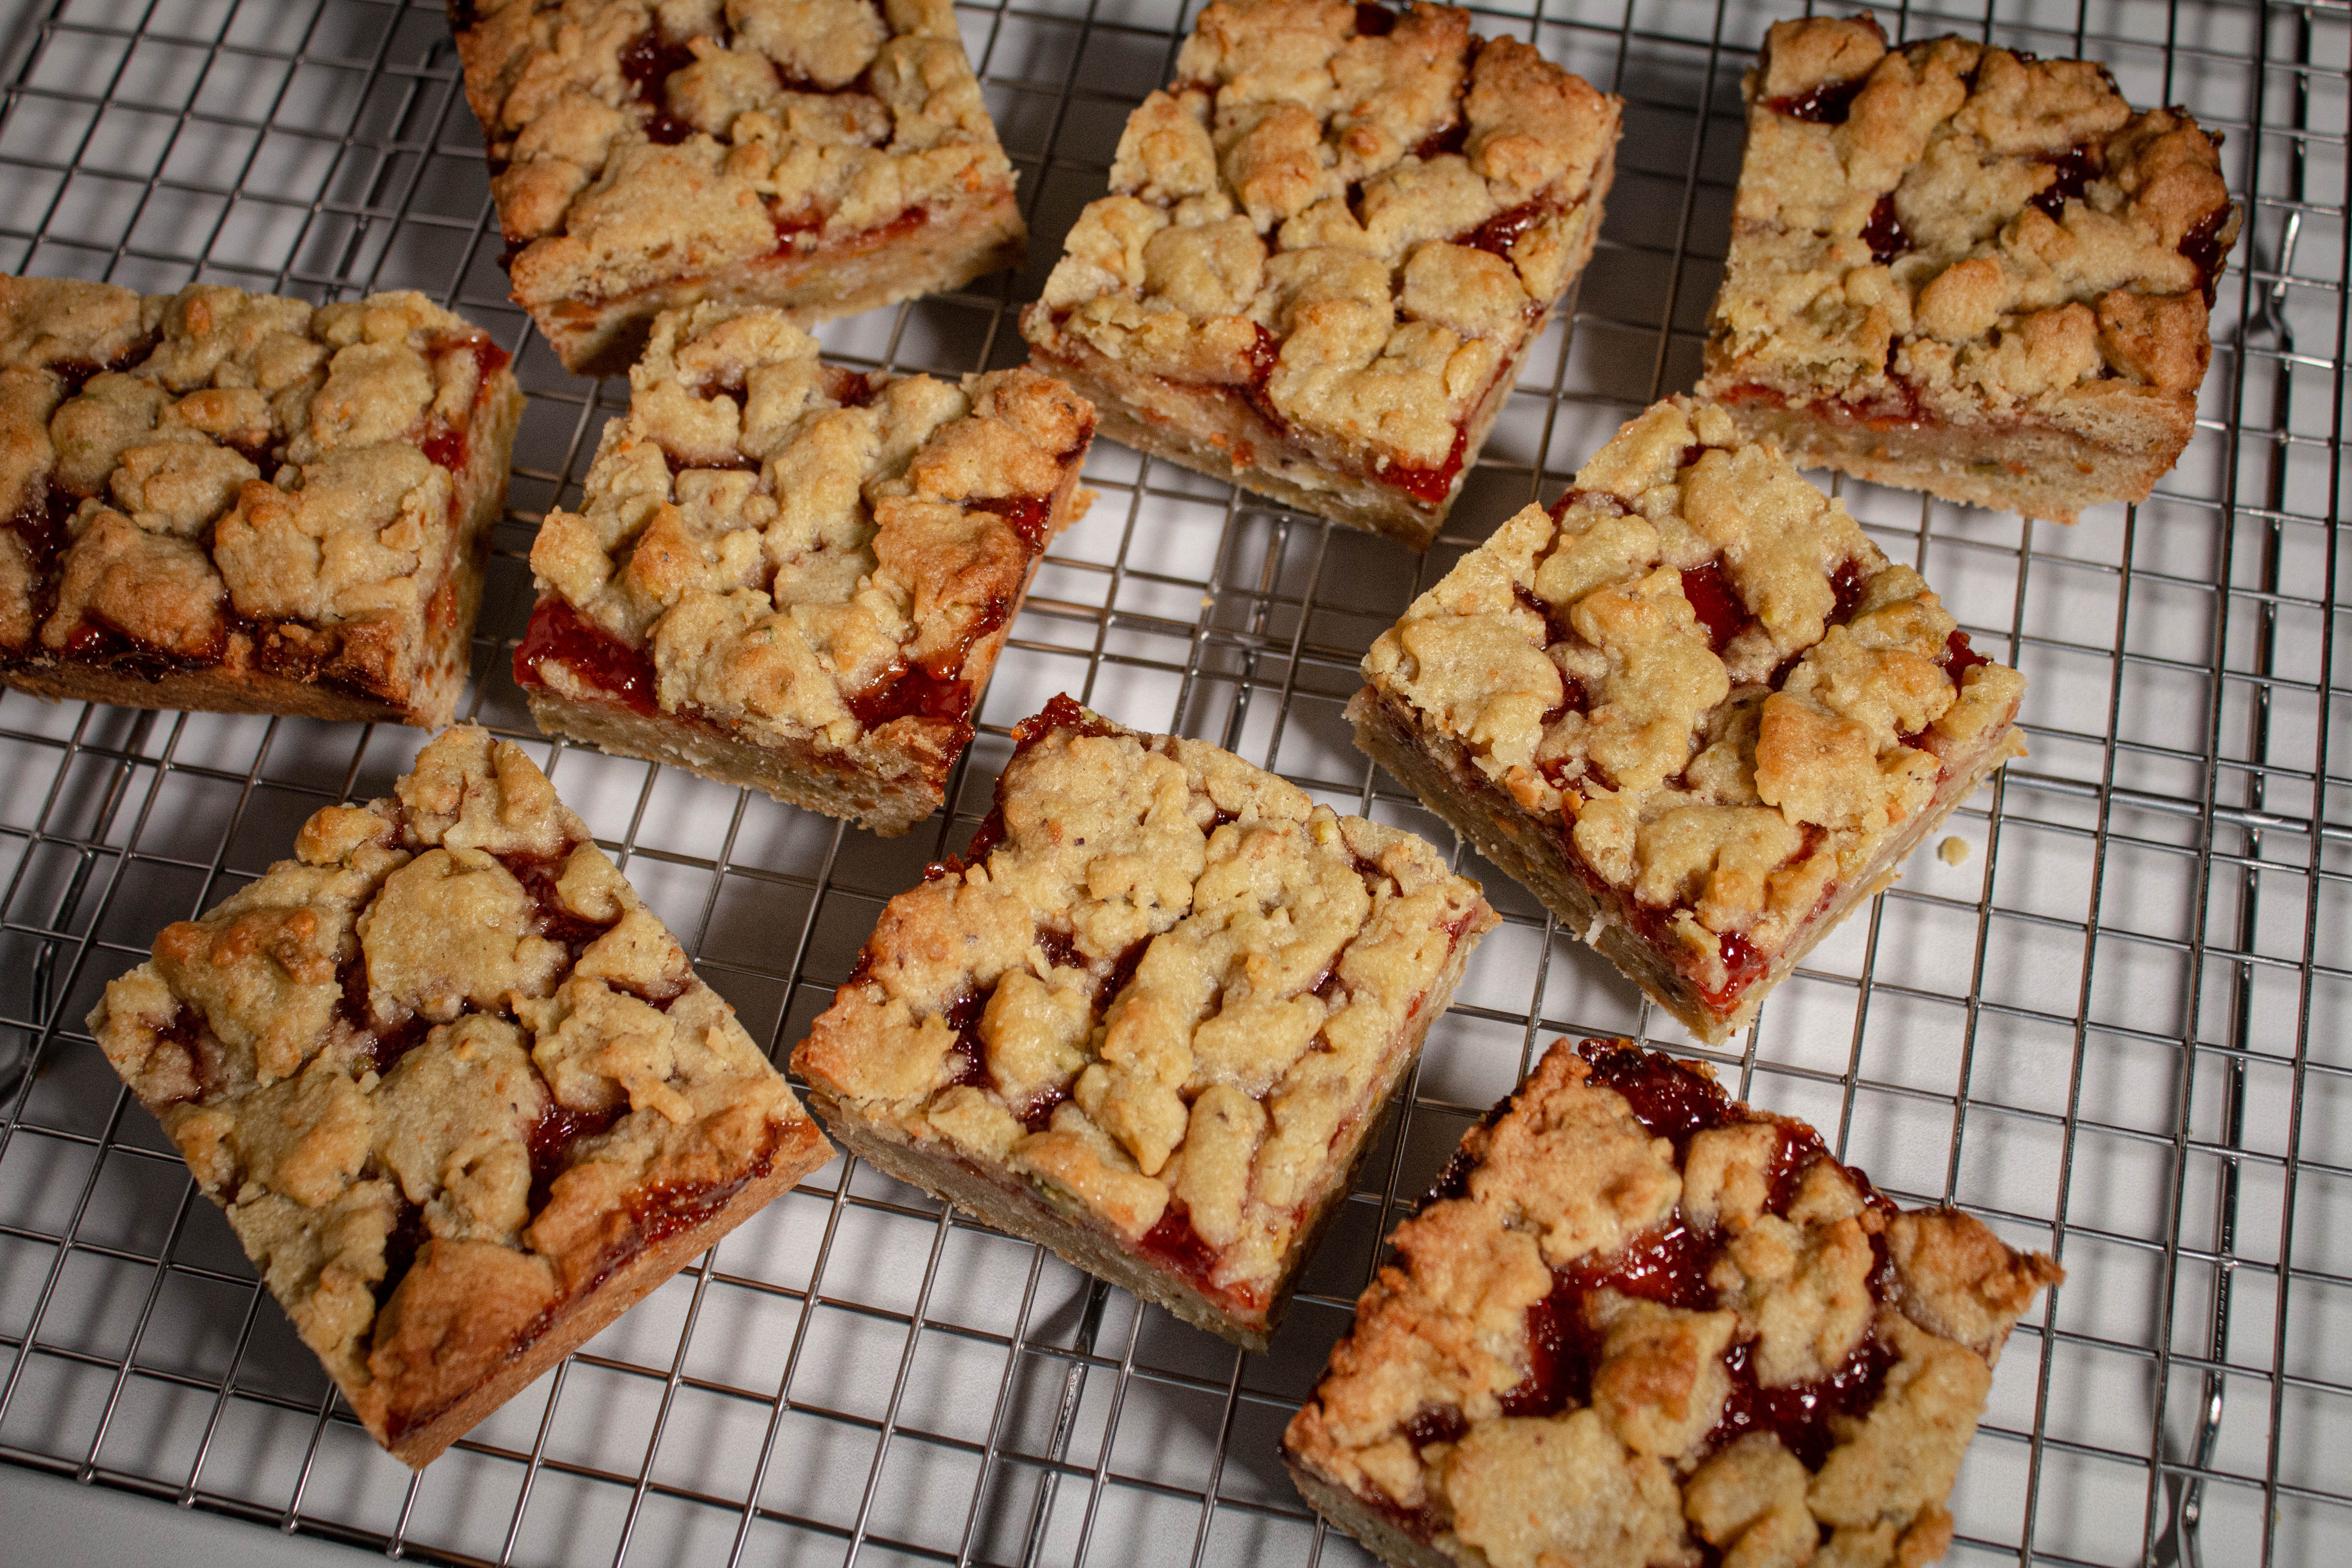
x: 1212, y: 431
x: 228, y: 688
x: 1530, y: 851
x: 885, y: 803
x: 955, y: 244
x: 1010, y: 1204
x: 1376, y: 1532
x: 2114, y: 446
x: 579, y: 1320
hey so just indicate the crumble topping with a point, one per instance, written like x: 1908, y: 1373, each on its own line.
x: 631, y: 141
x: 1352, y: 218
x: 794, y: 550
x: 221, y: 479
x: 1950, y: 230
x: 444, y: 1072
x: 1159, y: 986
x: 1623, y: 1401
x: 1701, y: 665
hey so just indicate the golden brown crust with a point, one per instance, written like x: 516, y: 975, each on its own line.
x: 1525, y: 1385
x: 1167, y: 997
x: 240, y: 503
x: 1699, y: 678
x: 461, y: 1096
x: 647, y: 156
x: 1326, y: 249
x: 1963, y: 241
x: 794, y: 576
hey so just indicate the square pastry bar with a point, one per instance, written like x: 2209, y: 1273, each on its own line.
x: 461, y: 1095
x: 1327, y: 249
x: 1967, y: 271
x: 794, y: 576
x: 824, y: 156
x: 1150, y: 1018
x: 1692, y: 708
x: 1639, y: 1323
x: 233, y: 501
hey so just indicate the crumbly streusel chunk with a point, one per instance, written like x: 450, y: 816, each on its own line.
x: 1700, y: 680
x: 1622, y: 1401
x: 645, y: 148
x: 1353, y: 221
x: 1163, y: 987
x: 247, y: 501
x: 447, y: 1075
x: 802, y: 558
x: 1959, y: 234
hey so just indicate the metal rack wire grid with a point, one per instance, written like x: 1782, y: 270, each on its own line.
x: 2115, y: 1030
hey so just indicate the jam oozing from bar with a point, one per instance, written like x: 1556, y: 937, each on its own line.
x: 383, y: 1042
x: 2076, y: 168
x: 1826, y: 104
x: 1430, y: 485
x: 967, y: 1062
x: 913, y: 691
x: 552, y: 1138
x: 647, y: 64
x: 2203, y: 247
x: 1499, y: 235
x: 446, y: 445
x: 1031, y: 517
x: 1717, y: 608
x: 559, y: 634
x: 1174, y: 1244
x: 1885, y: 233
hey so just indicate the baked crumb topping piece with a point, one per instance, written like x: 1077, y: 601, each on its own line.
x: 463, y: 1096
x: 1703, y: 691
x: 230, y: 501
x: 1163, y: 992
x: 815, y: 566
x: 655, y: 150
x: 1951, y: 234
x: 1347, y: 222
x: 1638, y: 1322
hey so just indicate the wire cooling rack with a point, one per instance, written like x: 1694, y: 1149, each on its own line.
x: 2115, y: 1030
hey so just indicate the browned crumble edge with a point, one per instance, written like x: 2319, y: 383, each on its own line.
x: 1967, y: 270
x: 1638, y: 1324
x: 795, y: 577
x: 820, y: 156
x: 1692, y: 708
x: 1150, y: 1017
x: 1330, y: 244
x: 241, y: 503
x: 461, y: 1095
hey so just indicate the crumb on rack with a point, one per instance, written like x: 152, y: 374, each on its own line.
x: 1952, y: 850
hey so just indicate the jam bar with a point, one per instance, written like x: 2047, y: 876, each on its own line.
x: 1328, y: 248
x: 461, y: 1095
x: 797, y: 577
x: 1692, y: 708
x: 1150, y: 1017
x: 1967, y: 271
x: 823, y: 156
x: 232, y: 501
x: 1638, y: 1322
